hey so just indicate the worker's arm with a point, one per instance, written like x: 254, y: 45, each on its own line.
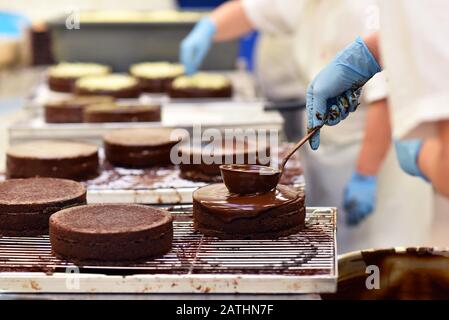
x: 231, y: 21
x: 372, y: 43
x: 360, y: 192
x: 433, y: 159
x: 377, y: 139
x: 228, y: 21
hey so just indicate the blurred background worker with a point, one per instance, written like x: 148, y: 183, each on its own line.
x: 354, y: 167
x: 415, y: 51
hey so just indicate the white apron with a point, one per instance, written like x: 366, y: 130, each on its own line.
x: 415, y: 51
x: 321, y: 29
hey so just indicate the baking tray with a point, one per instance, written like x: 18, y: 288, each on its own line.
x: 301, y: 263
x: 121, y: 44
x: 244, y: 90
x: 161, y: 185
x: 244, y: 115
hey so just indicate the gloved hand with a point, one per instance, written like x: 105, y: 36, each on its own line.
x: 359, y: 198
x: 196, y: 45
x: 407, y: 152
x: 334, y: 92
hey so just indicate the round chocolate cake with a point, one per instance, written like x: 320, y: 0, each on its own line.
x: 229, y: 152
x: 156, y: 77
x: 218, y: 213
x: 52, y: 158
x: 201, y: 85
x: 62, y: 77
x: 71, y: 110
x: 26, y: 204
x: 111, y: 112
x: 115, y: 85
x: 111, y: 232
x: 139, y: 148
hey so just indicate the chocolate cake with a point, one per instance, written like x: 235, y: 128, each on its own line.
x: 156, y: 77
x: 115, y: 85
x: 62, y: 77
x: 52, y: 158
x: 139, y: 148
x: 218, y: 213
x: 230, y: 152
x: 110, y: 232
x: 26, y: 204
x: 71, y: 110
x: 111, y: 112
x: 201, y: 85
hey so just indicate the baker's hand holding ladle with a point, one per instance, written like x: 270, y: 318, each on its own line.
x: 246, y: 179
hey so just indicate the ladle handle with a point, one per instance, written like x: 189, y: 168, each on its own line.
x: 298, y: 145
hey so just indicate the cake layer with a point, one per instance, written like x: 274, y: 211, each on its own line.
x: 122, y: 113
x: 216, y: 212
x: 197, y: 169
x: 111, y: 232
x: 139, y: 148
x: 156, y: 77
x: 71, y: 110
x: 115, y: 85
x: 62, y: 77
x: 57, y: 159
x: 201, y: 85
x: 27, y: 204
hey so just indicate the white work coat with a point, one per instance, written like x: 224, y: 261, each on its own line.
x: 321, y: 28
x: 415, y: 52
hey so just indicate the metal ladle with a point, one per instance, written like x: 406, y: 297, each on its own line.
x: 255, y: 179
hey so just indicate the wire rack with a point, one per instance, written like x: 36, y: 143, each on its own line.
x: 308, y: 256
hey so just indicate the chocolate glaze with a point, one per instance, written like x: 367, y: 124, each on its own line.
x: 277, y: 213
x: 217, y: 199
x: 249, y: 179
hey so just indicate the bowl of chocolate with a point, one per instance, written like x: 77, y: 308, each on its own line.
x: 249, y: 178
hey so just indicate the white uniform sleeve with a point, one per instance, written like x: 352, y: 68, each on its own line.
x: 375, y: 89
x: 415, y: 51
x: 273, y: 16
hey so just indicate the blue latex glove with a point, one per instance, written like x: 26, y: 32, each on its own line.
x: 196, y: 45
x: 407, y: 152
x: 359, y: 198
x: 334, y: 92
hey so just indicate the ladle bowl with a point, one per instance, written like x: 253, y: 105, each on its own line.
x: 252, y: 179
x: 246, y: 179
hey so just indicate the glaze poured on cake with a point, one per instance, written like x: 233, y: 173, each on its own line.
x: 277, y: 213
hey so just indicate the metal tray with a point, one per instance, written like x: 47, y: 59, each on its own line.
x: 301, y: 263
x: 160, y: 185
x: 215, y: 115
x: 121, y: 44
